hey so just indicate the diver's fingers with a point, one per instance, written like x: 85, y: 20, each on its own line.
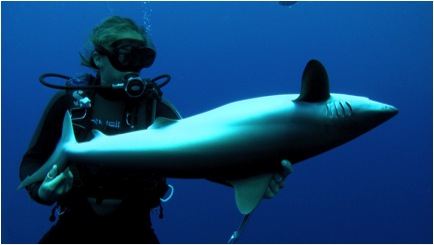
x: 65, y: 177
x: 53, y: 188
x: 69, y: 178
x: 278, y: 179
x: 274, y: 187
x: 287, y: 168
x: 68, y: 174
x: 51, y: 174
x: 269, y: 194
x: 271, y: 191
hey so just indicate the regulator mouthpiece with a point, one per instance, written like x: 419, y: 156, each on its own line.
x: 134, y: 86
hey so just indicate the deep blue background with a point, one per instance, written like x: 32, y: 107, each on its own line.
x: 375, y: 189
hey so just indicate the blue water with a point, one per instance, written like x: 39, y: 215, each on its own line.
x: 375, y: 189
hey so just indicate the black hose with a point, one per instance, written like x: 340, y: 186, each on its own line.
x: 164, y: 83
x: 43, y: 76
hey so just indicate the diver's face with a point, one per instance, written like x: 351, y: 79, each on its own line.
x: 109, y: 74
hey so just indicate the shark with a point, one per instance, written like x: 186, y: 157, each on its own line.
x: 240, y: 143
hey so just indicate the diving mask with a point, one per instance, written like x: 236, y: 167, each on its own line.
x: 130, y: 55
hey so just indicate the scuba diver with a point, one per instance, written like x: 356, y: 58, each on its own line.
x: 103, y: 204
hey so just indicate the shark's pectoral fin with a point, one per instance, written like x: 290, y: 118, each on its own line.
x: 249, y: 192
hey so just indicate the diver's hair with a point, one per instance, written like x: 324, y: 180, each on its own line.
x: 106, y: 33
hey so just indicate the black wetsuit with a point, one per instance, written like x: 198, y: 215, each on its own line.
x: 139, y: 192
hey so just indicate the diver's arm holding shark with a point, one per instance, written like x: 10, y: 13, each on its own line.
x: 278, y: 180
x: 43, y: 143
x: 57, y: 185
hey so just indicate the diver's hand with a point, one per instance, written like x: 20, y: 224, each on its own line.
x: 278, y: 180
x: 55, y: 185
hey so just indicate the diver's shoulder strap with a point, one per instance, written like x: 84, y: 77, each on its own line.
x: 80, y: 102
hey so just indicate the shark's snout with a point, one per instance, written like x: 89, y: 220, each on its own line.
x: 389, y: 111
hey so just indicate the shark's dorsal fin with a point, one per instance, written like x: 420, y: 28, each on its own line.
x: 162, y: 122
x: 315, y: 83
x: 249, y: 192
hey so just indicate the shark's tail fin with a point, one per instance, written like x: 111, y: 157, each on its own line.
x: 68, y: 136
x: 58, y: 157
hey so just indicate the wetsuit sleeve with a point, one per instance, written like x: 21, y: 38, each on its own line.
x: 44, y: 141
